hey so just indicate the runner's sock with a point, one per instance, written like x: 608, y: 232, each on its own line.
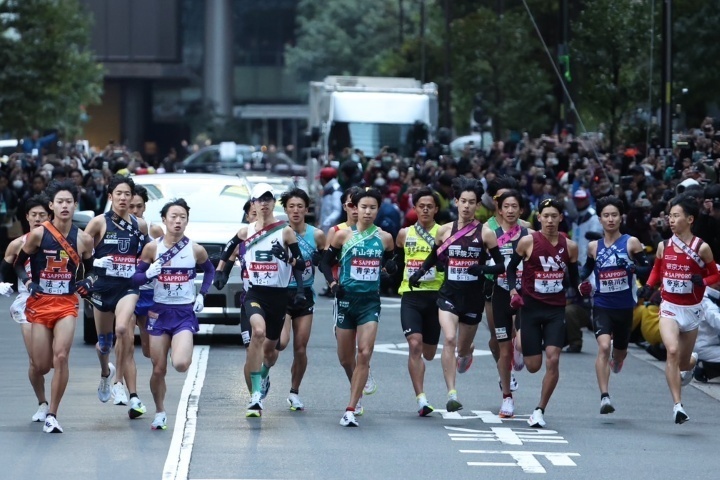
x: 603, y: 395
x: 133, y: 395
x: 508, y: 395
x: 255, y: 381
x: 264, y: 370
x: 294, y: 390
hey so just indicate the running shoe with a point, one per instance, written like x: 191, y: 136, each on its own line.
x: 136, y: 408
x: 424, y: 408
x: 348, y: 420
x: 295, y: 402
x: 52, y: 425
x: 359, y: 410
x: 160, y: 421
x: 518, y: 359
x: 507, y: 409
x: 119, y: 395
x: 41, y: 413
x: 265, y: 387
x: 105, y: 387
x: 452, y: 404
x: 255, y: 407
x: 513, y: 383
x: 536, y: 420
x: 615, y: 367
x: 606, y: 406
x: 464, y: 363
x: 687, y: 375
x: 699, y: 373
x: 370, y: 385
x: 680, y: 415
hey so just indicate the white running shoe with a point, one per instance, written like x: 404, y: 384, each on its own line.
x: 507, y: 410
x: 518, y: 359
x: 295, y: 402
x: 160, y: 421
x: 136, y: 408
x: 680, y: 414
x: 105, y: 387
x: 513, y: 383
x: 536, y: 420
x: 255, y: 407
x: 52, y: 425
x: 453, y: 405
x: 119, y: 395
x: 359, y: 410
x: 370, y: 385
x: 41, y: 413
x: 424, y: 408
x: 348, y: 420
x: 606, y: 406
x: 687, y: 375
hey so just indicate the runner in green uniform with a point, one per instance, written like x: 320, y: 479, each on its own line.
x: 363, y: 251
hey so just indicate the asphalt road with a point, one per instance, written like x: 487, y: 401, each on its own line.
x: 208, y: 436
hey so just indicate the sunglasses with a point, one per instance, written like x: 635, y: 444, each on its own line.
x: 350, y: 205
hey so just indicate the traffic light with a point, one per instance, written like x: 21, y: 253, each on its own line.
x: 478, y: 113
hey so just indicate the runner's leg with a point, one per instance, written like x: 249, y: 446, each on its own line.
x: 449, y: 326
x: 301, y: 327
x: 63, y: 334
x: 366, y: 334
x: 182, y: 350
x: 125, y: 345
x: 36, y: 379
x: 159, y: 346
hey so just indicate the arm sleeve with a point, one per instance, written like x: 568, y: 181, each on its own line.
x: 499, y: 267
x: 512, y: 268
x: 4, y: 267
x: 588, y: 268
x: 208, y: 276
x: 574, y: 273
x: 713, y: 275
x: 431, y: 259
x: 88, y: 265
x: 656, y: 274
x: 642, y: 264
x: 20, y: 266
x: 297, y: 255
x: 230, y: 247
x: 139, y: 277
x: 227, y: 268
x: 329, y: 258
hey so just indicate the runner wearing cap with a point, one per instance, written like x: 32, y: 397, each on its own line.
x: 269, y: 267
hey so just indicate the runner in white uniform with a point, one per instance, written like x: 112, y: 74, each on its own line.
x: 38, y: 211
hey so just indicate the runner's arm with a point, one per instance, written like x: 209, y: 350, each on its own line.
x: 499, y: 267
x: 656, y: 273
x: 588, y: 268
x: 713, y: 276
x: 637, y: 252
x: 206, y: 266
x: 146, y: 258
x: 332, y: 256
x: 515, y: 260
x: 10, y: 256
x: 32, y: 243
x: 230, y: 247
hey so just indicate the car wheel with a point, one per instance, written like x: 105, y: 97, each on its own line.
x: 89, y: 332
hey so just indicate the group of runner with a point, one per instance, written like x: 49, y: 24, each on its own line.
x: 128, y: 271
x: 451, y: 275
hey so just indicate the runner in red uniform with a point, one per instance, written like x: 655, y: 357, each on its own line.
x: 684, y: 266
x: 547, y: 256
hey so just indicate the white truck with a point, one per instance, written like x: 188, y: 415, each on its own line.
x: 368, y: 113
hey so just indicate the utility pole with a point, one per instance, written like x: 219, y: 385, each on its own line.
x: 563, y: 53
x: 667, y: 80
x: 447, y: 109
x: 422, y: 41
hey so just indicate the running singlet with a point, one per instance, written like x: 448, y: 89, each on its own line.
x: 21, y: 286
x: 360, y: 261
x: 123, y: 246
x: 264, y: 269
x: 417, y: 250
x: 465, y: 252
x: 51, y: 266
x: 175, y: 285
x: 336, y: 268
x: 545, y: 270
x: 678, y: 268
x: 614, y: 287
x: 507, y: 250
x: 307, y: 248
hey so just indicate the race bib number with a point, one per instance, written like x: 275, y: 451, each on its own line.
x: 365, y: 269
x: 175, y: 283
x: 549, y: 282
x: 502, y: 281
x: 677, y: 285
x: 415, y: 265
x: 263, y: 273
x: 613, y: 281
x: 123, y: 266
x: 458, y: 270
x: 56, y: 283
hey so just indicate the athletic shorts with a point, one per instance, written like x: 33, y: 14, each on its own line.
x: 688, y: 317
x: 145, y: 301
x: 502, y: 314
x: 542, y: 325
x: 171, y: 319
x: 467, y: 306
x: 106, y: 294
x: 49, y: 309
x: 616, y: 322
x: 17, y: 309
x: 419, y: 314
x: 354, y: 310
x: 271, y: 304
x: 304, y: 309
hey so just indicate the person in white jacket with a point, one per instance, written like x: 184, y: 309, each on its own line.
x: 707, y: 344
x: 331, y: 205
x: 586, y: 221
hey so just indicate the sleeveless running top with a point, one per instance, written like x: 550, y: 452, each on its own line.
x: 307, y: 246
x: 51, y: 266
x: 264, y: 269
x: 175, y: 285
x: 360, y: 261
x: 124, y: 248
x: 417, y: 250
x: 507, y: 251
x: 468, y: 250
x: 614, y: 287
x: 678, y: 268
x: 544, y: 271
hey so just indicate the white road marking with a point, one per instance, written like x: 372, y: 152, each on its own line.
x: 177, y: 463
x: 525, y: 460
x: 505, y: 435
x: 486, y: 416
x: 402, y: 349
